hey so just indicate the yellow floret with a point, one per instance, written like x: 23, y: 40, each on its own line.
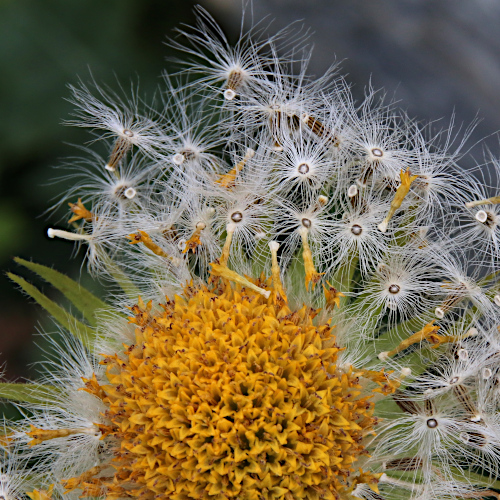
x: 229, y: 394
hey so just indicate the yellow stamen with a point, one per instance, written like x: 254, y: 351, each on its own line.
x: 227, y: 244
x: 76, y: 482
x: 92, y: 386
x: 6, y: 439
x: 385, y: 384
x: 311, y: 275
x: 228, y: 180
x: 369, y: 478
x: 224, y: 272
x: 399, y: 196
x: 81, y: 212
x: 41, y: 494
x: 275, y: 271
x: 494, y: 200
x: 40, y: 435
x: 429, y: 333
x: 195, y: 241
x: 93, y: 490
x: 143, y: 237
x: 332, y: 296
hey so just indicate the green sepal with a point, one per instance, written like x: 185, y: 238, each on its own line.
x: 86, y: 302
x: 82, y: 332
x: 26, y: 392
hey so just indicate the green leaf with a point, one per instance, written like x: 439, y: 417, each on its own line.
x: 87, y: 303
x: 81, y: 331
x: 27, y: 393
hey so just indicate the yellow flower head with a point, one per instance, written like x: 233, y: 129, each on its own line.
x: 229, y: 394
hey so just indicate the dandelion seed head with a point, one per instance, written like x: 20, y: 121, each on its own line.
x: 237, y: 220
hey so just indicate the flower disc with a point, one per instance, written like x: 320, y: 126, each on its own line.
x: 227, y: 393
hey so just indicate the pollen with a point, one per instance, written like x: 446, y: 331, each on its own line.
x: 228, y: 393
x: 41, y: 494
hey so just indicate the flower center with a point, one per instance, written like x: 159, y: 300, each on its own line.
x: 229, y: 394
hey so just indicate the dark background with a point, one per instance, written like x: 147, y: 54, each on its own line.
x: 438, y: 57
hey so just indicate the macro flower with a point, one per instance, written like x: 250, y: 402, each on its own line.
x: 304, y: 297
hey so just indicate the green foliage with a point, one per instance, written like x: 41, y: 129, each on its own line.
x: 26, y: 393
x: 87, y: 303
x: 82, y: 332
